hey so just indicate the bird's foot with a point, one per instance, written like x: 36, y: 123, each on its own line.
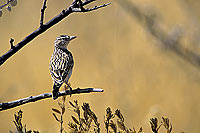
x: 70, y: 88
x: 55, y: 94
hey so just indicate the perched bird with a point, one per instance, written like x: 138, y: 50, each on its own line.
x: 61, y: 63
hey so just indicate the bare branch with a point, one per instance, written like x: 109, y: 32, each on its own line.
x: 48, y: 25
x: 12, y: 104
x: 87, y: 2
x: 75, y: 5
x: 42, y: 13
x: 81, y: 5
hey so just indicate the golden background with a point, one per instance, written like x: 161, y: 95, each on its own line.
x: 113, y: 51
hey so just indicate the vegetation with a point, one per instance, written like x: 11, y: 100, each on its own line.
x: 18, y: 124
x: 85, y: 120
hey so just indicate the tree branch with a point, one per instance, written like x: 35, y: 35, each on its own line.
x: 12, y: 104
x: 74, y: 7
x: 42, y: 13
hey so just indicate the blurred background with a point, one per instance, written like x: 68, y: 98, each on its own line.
x: 144, y: 54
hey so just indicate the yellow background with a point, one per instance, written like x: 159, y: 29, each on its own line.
x: 113, y: 51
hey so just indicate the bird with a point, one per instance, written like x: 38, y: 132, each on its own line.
x: 61, y: 63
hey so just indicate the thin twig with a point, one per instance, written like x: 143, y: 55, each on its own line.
x: 61, y: 123
x: 42, y: 13
x: 11, y: 43
x: 81, y: 9
x: 12, y: 104
x: 72, y: 8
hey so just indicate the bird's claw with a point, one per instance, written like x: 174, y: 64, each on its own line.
x: 55, y: 95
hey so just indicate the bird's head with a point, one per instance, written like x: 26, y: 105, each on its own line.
x: 63, y: 40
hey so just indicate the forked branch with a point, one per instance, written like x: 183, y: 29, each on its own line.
x: 12, y: 104
x: 76, y: 6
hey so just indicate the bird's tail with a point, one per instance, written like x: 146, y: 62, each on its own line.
x: 55, y: 91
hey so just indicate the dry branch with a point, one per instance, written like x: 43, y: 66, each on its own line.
x: 12, y: 104
x: 76, y: 6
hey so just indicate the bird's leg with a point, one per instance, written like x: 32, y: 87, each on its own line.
x: 55, y: 93
x: 70, y: 88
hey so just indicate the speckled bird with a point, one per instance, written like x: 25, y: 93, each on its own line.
x: 61, y: 63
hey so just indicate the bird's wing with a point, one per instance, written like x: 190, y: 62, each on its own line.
x: 60, y: 68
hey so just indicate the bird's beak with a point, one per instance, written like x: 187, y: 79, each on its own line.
x: 72, y: 37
